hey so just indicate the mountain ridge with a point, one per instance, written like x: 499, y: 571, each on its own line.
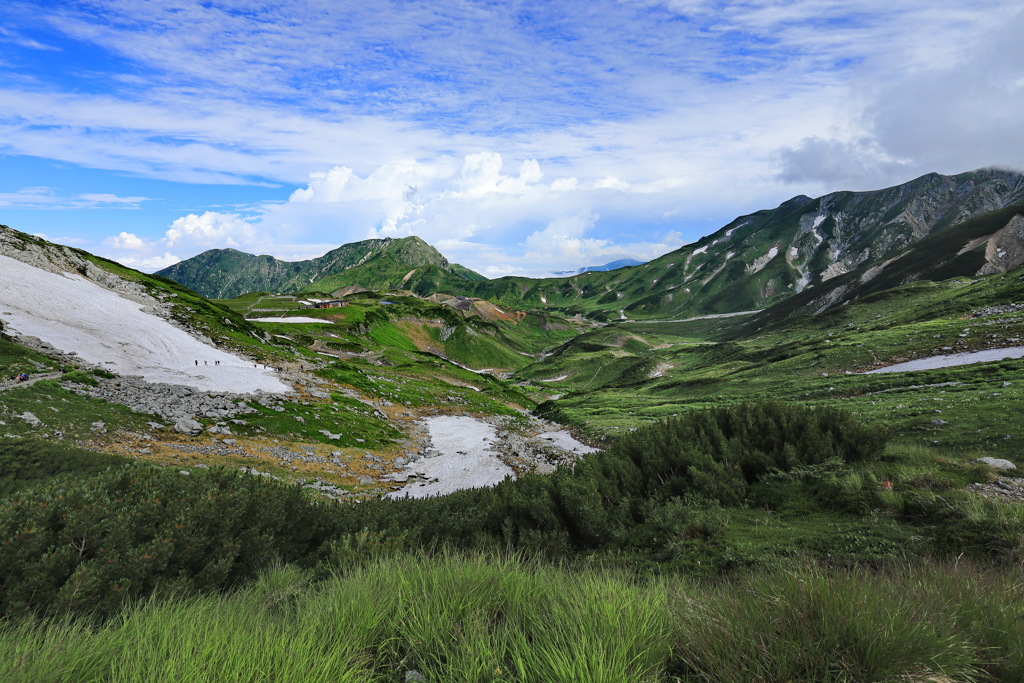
x: 408, y: 263
x: 762, y: 258
x: 752, y: 263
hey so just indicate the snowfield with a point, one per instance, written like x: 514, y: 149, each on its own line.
x: 564, y: 440
x: 953, y: 359
x: 78, y: 316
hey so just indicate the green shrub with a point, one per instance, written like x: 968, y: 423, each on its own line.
x: 79, y: 377
x: 25, y: 462
x: 611, y: 499
x: 92, y: 546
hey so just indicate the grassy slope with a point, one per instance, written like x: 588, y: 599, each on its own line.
x: 476, y: 619
x: 808, y: 360
x: 411, y: 324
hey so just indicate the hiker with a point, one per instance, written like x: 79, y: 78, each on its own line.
x: 197, y: 363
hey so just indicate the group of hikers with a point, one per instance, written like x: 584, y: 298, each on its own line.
x: 17, y: 379
x: 255, y: 365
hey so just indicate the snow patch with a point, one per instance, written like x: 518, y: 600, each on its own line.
x: 293, y: 319
x: 761, y: 261
x: 953, y: 360
x: 699, y: 317
x: 76, y: 315
x: 464, y: 458
x: 564, y: 440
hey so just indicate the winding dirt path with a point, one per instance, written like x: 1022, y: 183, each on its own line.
x: 11, y: 384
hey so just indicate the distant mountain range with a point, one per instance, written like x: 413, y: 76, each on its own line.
x: 818, y: 252
x: 614, y: 265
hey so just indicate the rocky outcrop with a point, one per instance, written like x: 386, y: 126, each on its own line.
x: 55, y: 258
x: 1006, y: 489
x: 1005, y: 249
x: 171, y: 402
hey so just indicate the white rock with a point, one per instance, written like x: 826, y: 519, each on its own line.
x: 997, y: 463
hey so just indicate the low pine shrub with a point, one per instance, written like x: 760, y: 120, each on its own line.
x: 91, y: 546
x: 27, y: 462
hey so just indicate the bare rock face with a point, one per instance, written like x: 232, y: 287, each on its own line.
x: 55, y: 258
x: 1005, y: 248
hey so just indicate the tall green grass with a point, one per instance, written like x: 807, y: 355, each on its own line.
x: 476, y: 618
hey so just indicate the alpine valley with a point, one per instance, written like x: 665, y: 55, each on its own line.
x: 830, y: 388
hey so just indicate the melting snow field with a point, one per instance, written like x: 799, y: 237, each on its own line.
x: 464, y: 460
x: 76, y: 315
x: 293, y: 319
x: 953, y: 359
x: 565, y: 441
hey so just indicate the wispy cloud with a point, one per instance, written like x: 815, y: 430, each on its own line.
x: 606, y: 128
x: 48, y: 198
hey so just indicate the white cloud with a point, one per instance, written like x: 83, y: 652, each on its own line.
x: 471, y: 209
x: 926, y: 105
x: 150, y: 264
x: 128, y: 242
x: 48, y: 198
x: 106, y: 198
x: 563, y: 241
x: 210, y: 230
x: 187, y: 235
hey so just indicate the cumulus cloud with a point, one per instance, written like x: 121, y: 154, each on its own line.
x: 476, y: 211
x: 150, y: 264
x: 932, y: 106
x: 187, y: 235
x: 563, y: 241
x: 128, y: 242
x: 210, y: 230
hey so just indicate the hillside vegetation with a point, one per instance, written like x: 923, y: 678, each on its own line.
x: 762, y: 508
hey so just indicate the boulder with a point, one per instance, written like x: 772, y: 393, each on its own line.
x: 31, y: 419
x: 188, y: 426
x: 997, y: 463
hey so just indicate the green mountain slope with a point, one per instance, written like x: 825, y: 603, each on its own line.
x: 768, y: 256
x: 983, y: 245
x: 408, y: 263
x: 815, y: 359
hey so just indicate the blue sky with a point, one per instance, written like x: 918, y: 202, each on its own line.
x: 517, y: 137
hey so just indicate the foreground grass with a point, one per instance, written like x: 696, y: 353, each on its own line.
x: 457, y: 618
